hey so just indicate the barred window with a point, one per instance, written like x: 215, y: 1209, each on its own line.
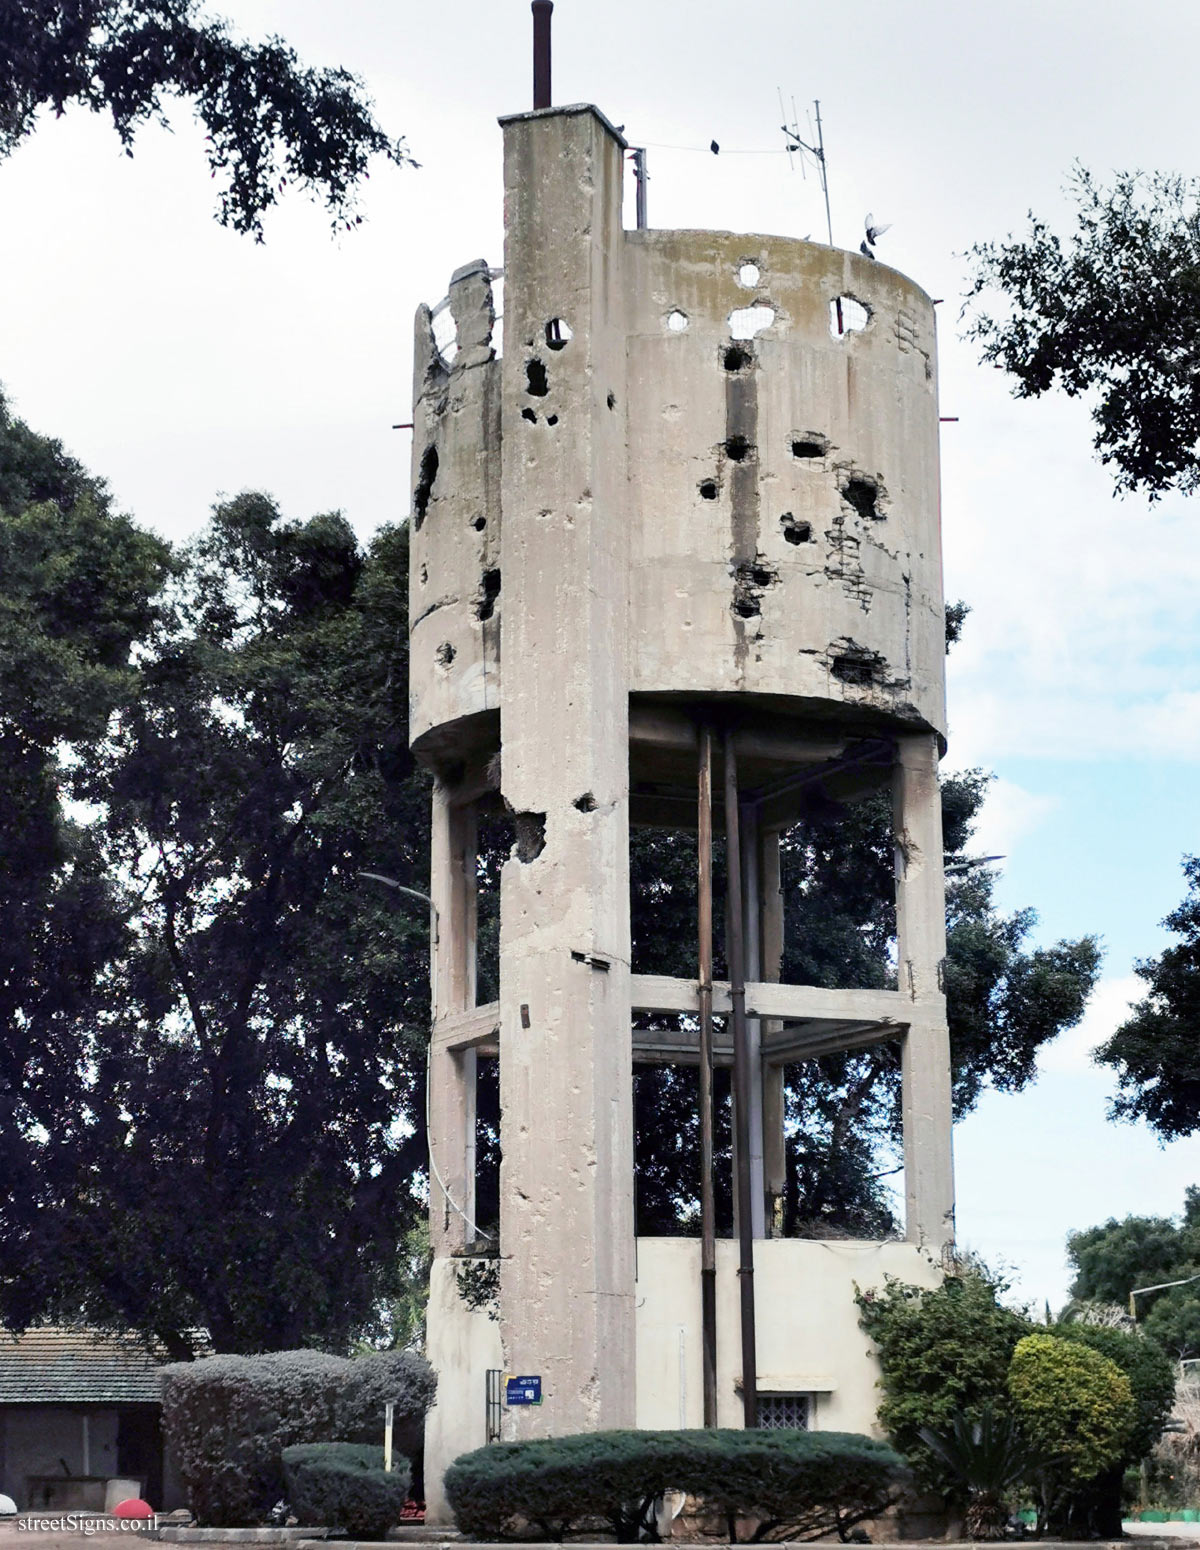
x: 779, y: 1411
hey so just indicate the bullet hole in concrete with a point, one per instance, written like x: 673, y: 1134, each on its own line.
x: 737, y: 448
x: 612, y: 400
x: 425, y: 481
x: 424, y: 574
x: 531, y: 835
x: 862, y: 493
x: 795, y: 530
x: 847, y: 315
x: 745, y: 322
x: 809, y: 446
x: 586, y: 803
x: 528, y: 414
x: 856, y: 667
x: 749, y: 275
x: 479, y: 523
x: 708, y: 490
x: 559, y: 333
x: 490, y: 591
x: 445, y: 654
x: 735, y: 358
x: 551, y: 419
x: 749, y: 581
x: 677, y: 321
x: 536, y: 382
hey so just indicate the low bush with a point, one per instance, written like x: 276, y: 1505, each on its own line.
x: 344, y: 1485
x: 227, y: 1419
x: 786, y: 1484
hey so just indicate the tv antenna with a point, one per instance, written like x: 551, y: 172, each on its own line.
x: 797, y: 145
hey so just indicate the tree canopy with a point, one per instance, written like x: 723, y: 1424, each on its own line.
x: 1110, y: 311
x: 270, y: 121
x: 1112, y: 1259
x: 1156, y: 1051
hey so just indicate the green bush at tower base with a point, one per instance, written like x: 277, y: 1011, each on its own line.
x: 786, y: 1484
x: 343, y: 1485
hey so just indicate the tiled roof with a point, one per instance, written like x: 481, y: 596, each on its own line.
x: 55, y: 1366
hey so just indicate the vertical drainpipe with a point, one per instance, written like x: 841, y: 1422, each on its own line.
x: 741, y: 1086
x: 542, y: 10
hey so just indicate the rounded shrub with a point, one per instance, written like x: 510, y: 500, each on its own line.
x: 792, y: 1483
x: 227, y: 1419
x: 1074, y: 1405
x: 343, y: 1485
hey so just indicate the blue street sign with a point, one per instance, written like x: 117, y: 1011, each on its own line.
x: 523, y: 1391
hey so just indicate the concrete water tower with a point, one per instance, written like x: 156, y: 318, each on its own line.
x: 675, y: 562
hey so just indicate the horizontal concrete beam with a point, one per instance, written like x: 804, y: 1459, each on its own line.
x: 476, y: 1028
x: 791, y: 1003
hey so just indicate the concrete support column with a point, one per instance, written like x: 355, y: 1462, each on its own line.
x: 921, y: 935
x: 774, y: 1153
x: 452, y: 1075
x: 566, y: 1212
x: 752, y: 901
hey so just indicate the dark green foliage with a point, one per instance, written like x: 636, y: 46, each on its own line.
x: 956, y: 617
x: 1112, y: 1259
x: 1111, y: 311
x: 944, y: 1354
x: 343, y: 1485
x: 227, y: 1419
x: 1004, y: 1003
x: 798, y: 1485
x: 270, y: 122
x: 984, y: 1458
x: 1156, y: 1051
x: 1151, y: 1375
x: 264, y: 1026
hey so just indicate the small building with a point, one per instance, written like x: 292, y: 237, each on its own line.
x: 79, y: 1409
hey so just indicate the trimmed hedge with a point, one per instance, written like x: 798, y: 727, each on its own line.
x: 227, y: 1419
x: 344, y: 1485
x: 793, y: 1483
x: 1073, y: 1404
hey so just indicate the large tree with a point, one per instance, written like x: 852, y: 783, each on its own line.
x: 1115, y: 1258
x: 1156, y: 1051
x: 1111, y: 311
x: 224, y: 1129
x: 269, y: 121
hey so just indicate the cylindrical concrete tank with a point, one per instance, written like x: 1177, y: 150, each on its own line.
x: 782, y: 506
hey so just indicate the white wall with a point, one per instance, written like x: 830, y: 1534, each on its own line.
x: 461, y: 1344
x: 808, y: 1336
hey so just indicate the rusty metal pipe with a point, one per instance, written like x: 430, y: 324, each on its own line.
x: 708, y: 1231
x: 542, y: 10
x: 741, y: 1084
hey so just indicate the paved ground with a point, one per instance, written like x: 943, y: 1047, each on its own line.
x: 1164, y: 1530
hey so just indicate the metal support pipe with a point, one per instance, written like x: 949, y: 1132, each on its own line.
x: 541, y: 52
x: 741, y: 1085
x: 708, y: 1230
x: 749, y: 840
x: 641, y: 178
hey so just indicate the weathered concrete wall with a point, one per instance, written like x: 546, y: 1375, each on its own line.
x: 38, y: 1439
x: 566, y: 1177
x: 809, y: 1341
x: 462, y: 1343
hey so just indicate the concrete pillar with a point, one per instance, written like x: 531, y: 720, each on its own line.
x: 566, y: 1212
x: 774, y: 1152
x: 752, y: 898
x: 451, y: 1075
x: 921, y: 937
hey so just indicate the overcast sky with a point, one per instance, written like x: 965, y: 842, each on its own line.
x: 182, y: 361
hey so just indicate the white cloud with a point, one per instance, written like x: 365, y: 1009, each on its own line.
x: 1009, y: 814
x: 1109, y: 1006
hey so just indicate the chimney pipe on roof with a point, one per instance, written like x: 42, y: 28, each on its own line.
x: 541, y: 52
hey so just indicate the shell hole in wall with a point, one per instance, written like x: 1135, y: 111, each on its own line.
x: 749, y: 274
x: 551, y: 419
x: 677, y: 321
x: 536, y: 381
x: 863, y: 494
x: 735, y: 358
x: 795, y: 529
x: 745, y: 322
x: 489, y: 591
x: 528, y: 414
x: 530, y: 835
x: 445, y: 654
x: 847, y: 315
x: 809, y: 446
x: 611, y: 400
x: 737, y: 448
x: 425, y: 482
x: 559, y: 334
x: 708, y: 490
x: 479, y: 523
